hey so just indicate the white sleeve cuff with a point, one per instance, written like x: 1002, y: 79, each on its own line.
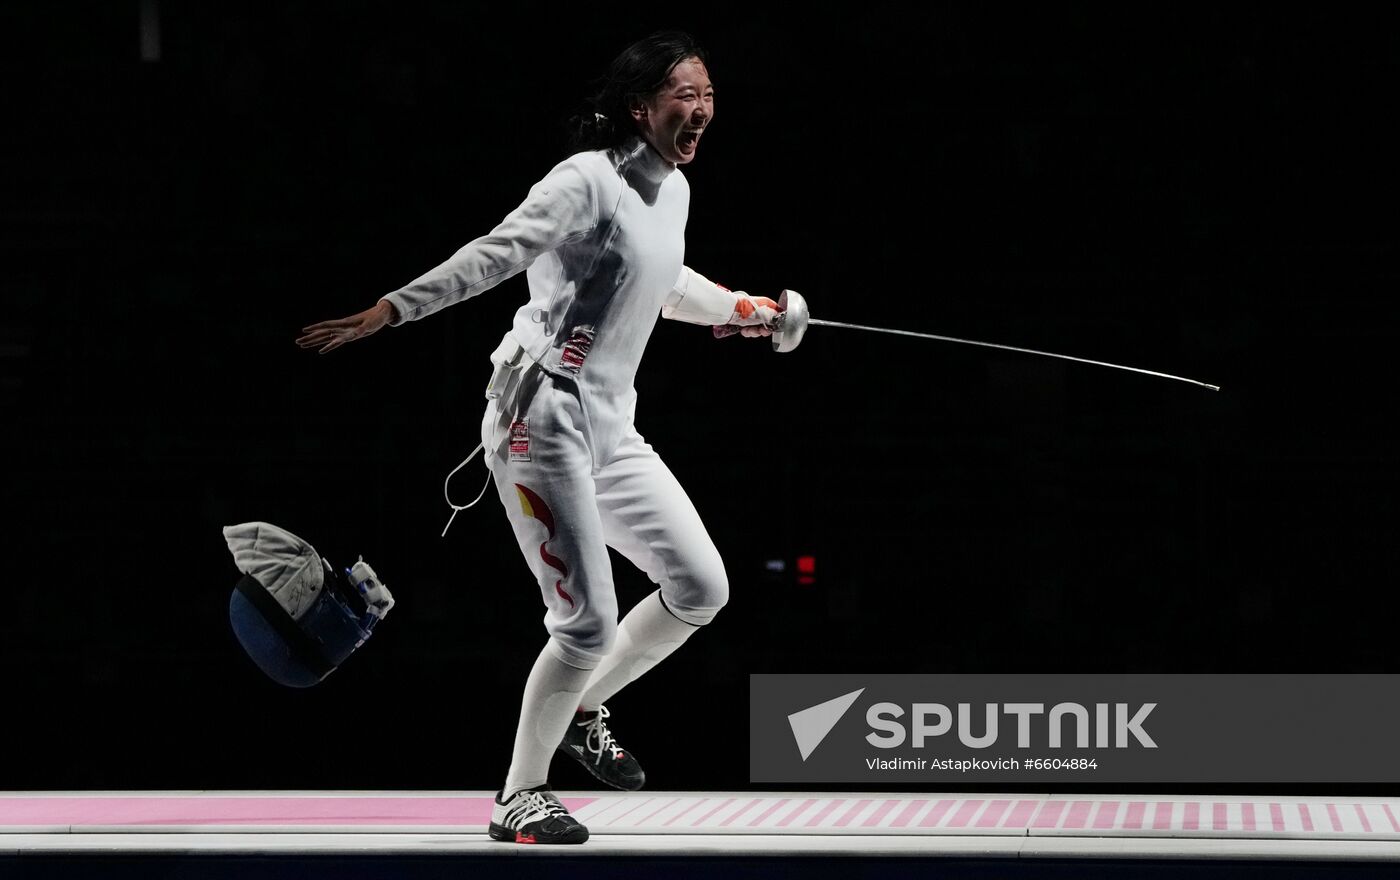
x: 698, y: 300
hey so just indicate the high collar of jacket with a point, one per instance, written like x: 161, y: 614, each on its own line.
x: 639, y: 157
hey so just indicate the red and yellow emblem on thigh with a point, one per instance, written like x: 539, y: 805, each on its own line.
x: 535, y: 508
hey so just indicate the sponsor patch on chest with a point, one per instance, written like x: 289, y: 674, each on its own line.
x: 576, y: 349
x: 520, y: 439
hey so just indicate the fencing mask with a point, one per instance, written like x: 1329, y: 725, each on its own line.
x: 295, y: 615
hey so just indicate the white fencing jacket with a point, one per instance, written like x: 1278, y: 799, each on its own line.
x: 602, y: 241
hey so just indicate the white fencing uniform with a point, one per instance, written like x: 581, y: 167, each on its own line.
x: 601, y: 238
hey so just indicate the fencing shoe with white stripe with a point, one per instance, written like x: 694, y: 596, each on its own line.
x: 589, y: 742
x: 534, y: 815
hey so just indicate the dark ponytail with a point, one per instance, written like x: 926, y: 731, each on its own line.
x: 591, y: 130
x: 639, y: 71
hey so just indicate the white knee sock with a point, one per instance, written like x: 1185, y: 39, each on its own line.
x: 646, y: 636
x: 551, y: 696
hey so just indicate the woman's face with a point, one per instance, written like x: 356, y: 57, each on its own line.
x: 673, y: 119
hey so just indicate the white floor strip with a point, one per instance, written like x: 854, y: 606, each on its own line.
x: 476, y: 843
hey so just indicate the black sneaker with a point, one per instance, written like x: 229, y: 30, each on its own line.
x: 534, y: 815
x: 589, y: 742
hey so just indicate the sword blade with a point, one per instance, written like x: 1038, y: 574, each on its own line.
x: 1009, y: 348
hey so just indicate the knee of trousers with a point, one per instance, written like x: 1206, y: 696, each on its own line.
x: 698, y: 595
x: 585, y: 639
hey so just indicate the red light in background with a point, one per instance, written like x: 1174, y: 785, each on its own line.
x: 806, y: 570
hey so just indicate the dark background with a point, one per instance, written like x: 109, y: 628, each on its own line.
x: 1203, y: 192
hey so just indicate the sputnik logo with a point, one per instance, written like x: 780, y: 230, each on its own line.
x: 810, y: 726
x: 535, y: 508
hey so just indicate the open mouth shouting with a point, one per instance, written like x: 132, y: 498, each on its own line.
x: 688, y: 139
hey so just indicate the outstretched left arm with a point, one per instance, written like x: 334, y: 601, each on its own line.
x: 698, y: 300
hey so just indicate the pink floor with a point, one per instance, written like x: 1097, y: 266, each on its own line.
x: 723, y: 813
x: 129, y: 810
